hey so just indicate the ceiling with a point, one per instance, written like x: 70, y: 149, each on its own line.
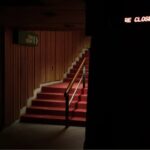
x: 43, y: 14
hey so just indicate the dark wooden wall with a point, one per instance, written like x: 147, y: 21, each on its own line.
x: 27, y: 67
x: 1, y: 77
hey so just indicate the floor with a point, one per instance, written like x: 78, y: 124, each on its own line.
x: 41, y: 136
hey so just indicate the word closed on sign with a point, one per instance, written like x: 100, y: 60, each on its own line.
x: 137, y: 19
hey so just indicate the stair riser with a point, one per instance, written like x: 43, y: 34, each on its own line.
x: 51, y: 104
x: 57, y: 90
x: 77, y: 66
x: 70, y: 79
x: 49, y: 96
x: 86, y: 61
x: 78, y: 63
x: 45, y: 112
x: 48, y: 104
x: 75, y: 70
x: 77, y: 123
x: 79, y: 114
x: 53, y: 112
x: 83, y: 98
x: 72, y: 75
x: 85, y: 91
x: 82, y: 106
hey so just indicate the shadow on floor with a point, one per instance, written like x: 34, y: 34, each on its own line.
x: 21, y: 135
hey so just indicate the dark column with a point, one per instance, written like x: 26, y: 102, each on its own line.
x: 118, y: 98
x: 1, y: 78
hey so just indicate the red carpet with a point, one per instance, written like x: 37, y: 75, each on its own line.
x: 49, y: 106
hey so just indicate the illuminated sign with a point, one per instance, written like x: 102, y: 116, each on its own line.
x: 25, y: 38
x: 137, y: 19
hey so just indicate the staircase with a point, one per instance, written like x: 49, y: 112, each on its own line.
x: 49, y: 105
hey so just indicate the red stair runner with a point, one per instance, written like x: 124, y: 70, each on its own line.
x: 49, y: 106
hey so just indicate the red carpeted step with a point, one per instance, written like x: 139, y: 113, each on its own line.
x: 75, y: 70
x: 79, y: 113
x: 46, y: 110
x: 47, y: 89
x: 57, y: 96
x: 77, y: 121
x: 82, y: 105
x: 77, y: 66
x: 70, y: 79
x: 57, y: 111
x: 85, y: 90
x: 52, y: 103
x: 71, y: 75
x: 83, y: 97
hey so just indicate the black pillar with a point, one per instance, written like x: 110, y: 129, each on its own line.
x: 118, y: 98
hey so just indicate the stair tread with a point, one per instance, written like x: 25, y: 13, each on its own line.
x: 78, y: 119
x: 84, y: 95
x: 80, y: 110
x: 48, y: 93
x: 52, y: 101
x: 46, y: 108
x: 82, y: 102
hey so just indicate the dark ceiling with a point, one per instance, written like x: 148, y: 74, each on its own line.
x: 43, y: 14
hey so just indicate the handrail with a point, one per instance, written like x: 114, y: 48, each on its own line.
x: 75, y: 91
x: 75, y: 76
x: 66, y: 94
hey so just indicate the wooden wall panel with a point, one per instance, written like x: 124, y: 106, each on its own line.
x: 23, y: 75
x: 26, y: 67
x: 53, y: 55
x: 43, y: 50
x: 66, y: 51
x: 2, y: 77
x: 37, y: 61
x: 30, y: 63
x: 8, y: 80
x: 59, y: 55
x: 70, y: 47
x: 16, y: 80
x: 48, y: 57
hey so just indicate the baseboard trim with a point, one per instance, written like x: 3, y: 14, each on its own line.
x: 36, y: 91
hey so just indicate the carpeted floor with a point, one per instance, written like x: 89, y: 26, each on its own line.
x: 39, y: 136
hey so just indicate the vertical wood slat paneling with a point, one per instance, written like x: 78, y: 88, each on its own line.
x: 2, y: 76
x: 47, y: 56
x: 70, y: 41
x: 66, y: 52
x: 53, y: 55
x: 59, y: 55
x: 9, y: 89
x: 16, y: 80
x: 37, y: 62
x: 30, y: 70
x: 7, y: 81
x: 27, y: 67
x: 23, y: 78
x: 43, y: 56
